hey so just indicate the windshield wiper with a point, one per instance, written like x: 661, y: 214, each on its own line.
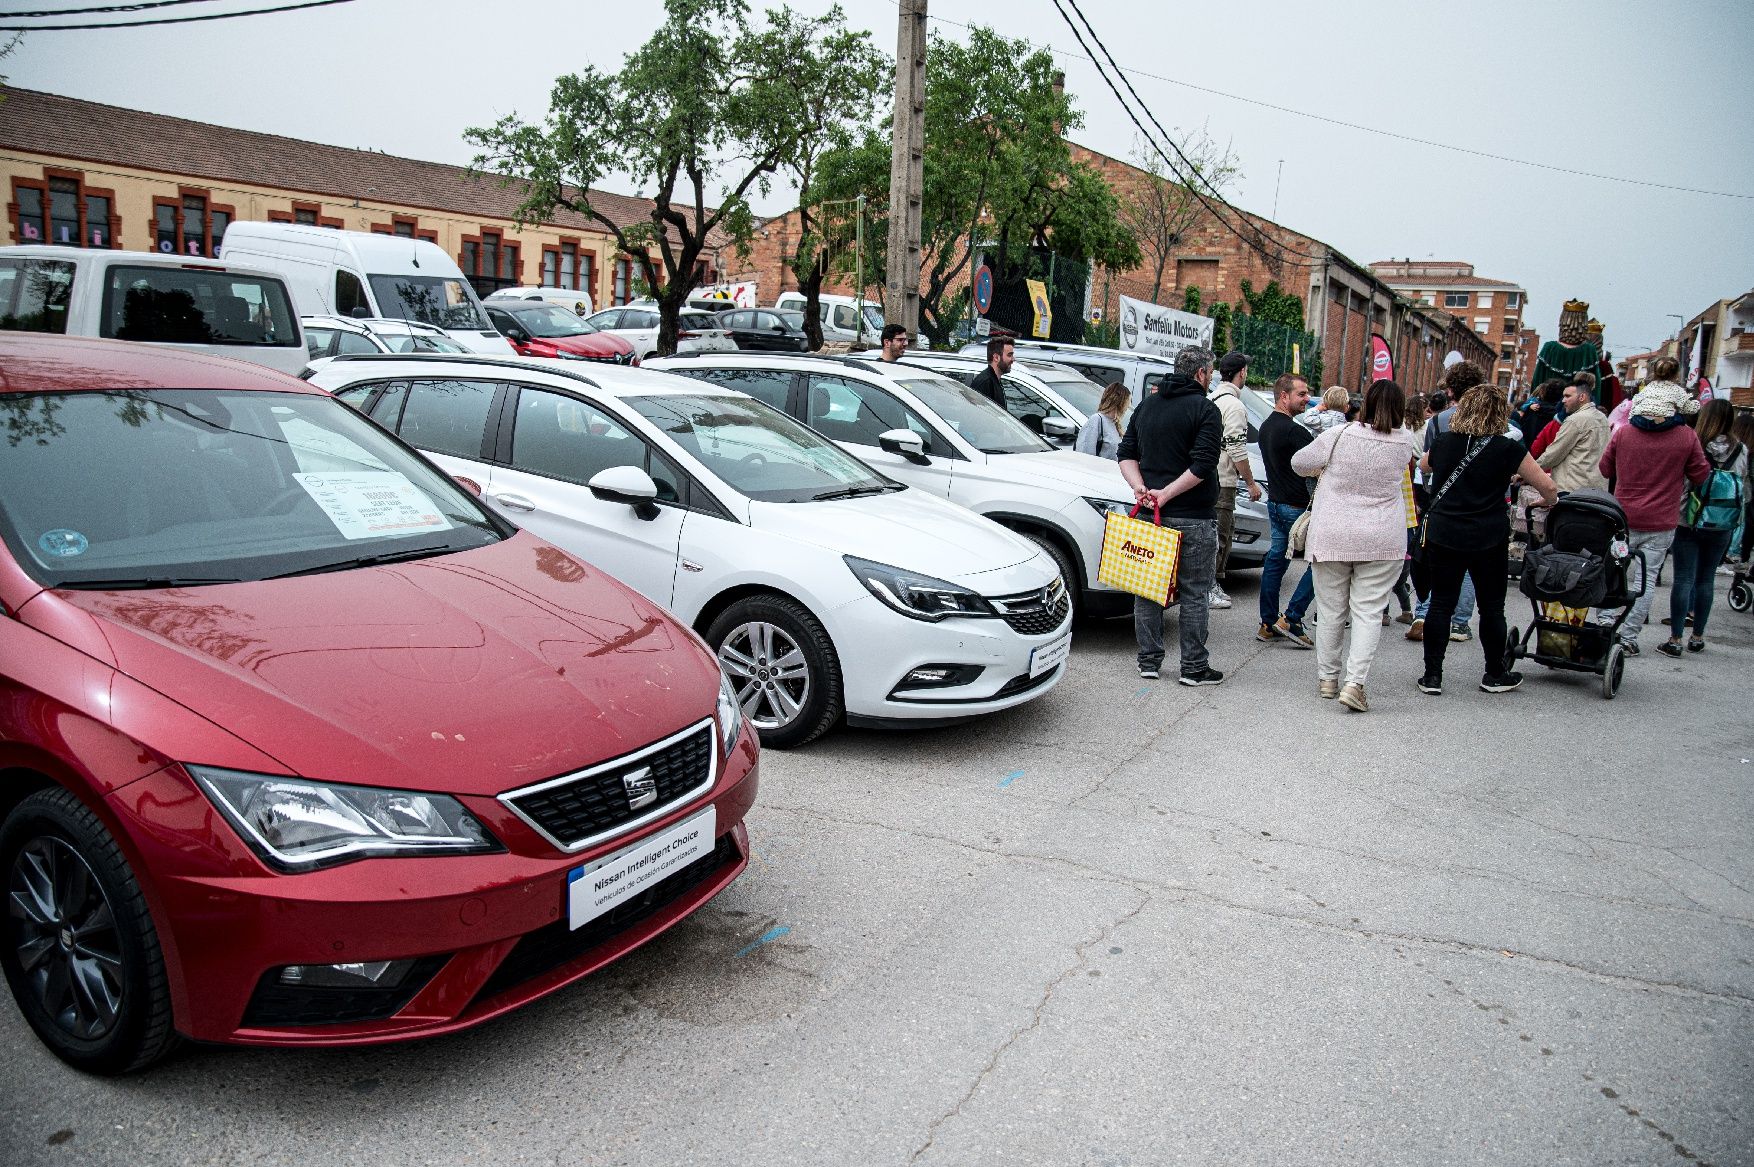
x: 122, y: 585
x: 364, y: 561
x: 851, y: 492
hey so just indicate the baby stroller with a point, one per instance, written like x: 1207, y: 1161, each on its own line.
x: 1579, y: 562
x: 1741, y: 595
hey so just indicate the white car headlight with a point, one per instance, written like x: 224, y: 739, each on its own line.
x: 922, y: 597
x: 1105, y: 506
x: 729, y: 715
x: 297, y: 824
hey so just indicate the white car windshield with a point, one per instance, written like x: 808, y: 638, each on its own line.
x: 436, y: 300
x: 182, y: 487
x: 980, y: 423
x: 759, y: 451
x: 1080, y: 392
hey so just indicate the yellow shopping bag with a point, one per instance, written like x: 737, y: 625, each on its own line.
x: 1140, y: 557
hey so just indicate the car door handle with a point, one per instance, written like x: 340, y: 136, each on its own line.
x: 513, y: 502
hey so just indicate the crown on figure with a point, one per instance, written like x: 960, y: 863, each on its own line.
x: 1593, y: 325
x: 1578, y: 306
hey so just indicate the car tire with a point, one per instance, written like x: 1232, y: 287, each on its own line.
x: 1068, y: 570
x: 784, y: 712
x: 62, y: 867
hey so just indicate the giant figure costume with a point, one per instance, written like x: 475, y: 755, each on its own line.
x: 1572, y: 353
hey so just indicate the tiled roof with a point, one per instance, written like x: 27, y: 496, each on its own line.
x: 67, y: 127
x: 1438, y: 282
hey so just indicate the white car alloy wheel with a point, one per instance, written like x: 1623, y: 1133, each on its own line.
x: 769, y: 672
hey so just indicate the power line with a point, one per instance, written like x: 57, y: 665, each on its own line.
x: 166, y: 19
x: 1333, y: 121
x: 141, y: 6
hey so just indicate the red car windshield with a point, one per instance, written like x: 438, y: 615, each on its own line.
x: 549, y: 322
x: 170, y: 487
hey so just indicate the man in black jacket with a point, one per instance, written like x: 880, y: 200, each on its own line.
x: 1001, y: 352
x: 1170, y: 459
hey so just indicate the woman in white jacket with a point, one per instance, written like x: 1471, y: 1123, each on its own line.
x: 1357, y: 535
x: 1101, y: 434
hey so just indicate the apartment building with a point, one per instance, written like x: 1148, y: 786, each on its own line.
x: 1495, y: 309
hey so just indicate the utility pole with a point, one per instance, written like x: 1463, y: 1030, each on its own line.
x: 907, y: 152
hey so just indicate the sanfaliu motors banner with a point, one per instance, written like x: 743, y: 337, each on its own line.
x: 1152, y: 328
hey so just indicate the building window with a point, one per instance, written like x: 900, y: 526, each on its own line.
x: 1513, y: 300
x: 703, y: 272
x: 1507, y: 352
x: 191, y: 224
x: 1504, y: 378
x: 311, y: 215
x: 566, y: 265
x: 62, y: 209
x: 490, y: 262
x: 623, y: 291
x: 1483, y: 300
x: 1510, y: 325
x: 405, y: 226
x: 1482, y: 324
x: 1455, y: 299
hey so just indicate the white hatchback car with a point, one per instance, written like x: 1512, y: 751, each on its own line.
x: 637, y: 324
x: 333, y: 336
x: 827, y: 589
x: 930, y: 431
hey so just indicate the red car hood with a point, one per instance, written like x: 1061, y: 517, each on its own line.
x: 470, y: 673
x: 600, y: 345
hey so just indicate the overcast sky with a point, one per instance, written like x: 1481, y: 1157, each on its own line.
x: 1655, y: 92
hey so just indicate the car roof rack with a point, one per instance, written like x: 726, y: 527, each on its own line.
x: 481, y: 359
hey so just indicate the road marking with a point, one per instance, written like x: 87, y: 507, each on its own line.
x: 1010, y: 778
x: 767, y: 936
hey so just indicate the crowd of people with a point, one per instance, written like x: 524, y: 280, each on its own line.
x: 1395, y: 497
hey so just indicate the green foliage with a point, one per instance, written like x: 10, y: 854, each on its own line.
x: 703, y: 115
x: 1273, y: 303
x: 1191, y: 299
x: 996, y: 166
x: 1103, y: 334
x: 1271, y: 347
x: 1220, y: 327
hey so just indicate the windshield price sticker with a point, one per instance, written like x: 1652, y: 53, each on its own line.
x: 371, y: 505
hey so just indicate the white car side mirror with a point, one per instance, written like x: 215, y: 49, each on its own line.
x: 1058, y: 427
x: 903, y: 442
x: 629, y: 485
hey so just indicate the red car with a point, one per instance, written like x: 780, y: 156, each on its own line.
x: 536, y: 329
x: 300, y: 744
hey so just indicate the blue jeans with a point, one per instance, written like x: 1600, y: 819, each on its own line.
x: 1196, y: 574
x: 1464, y: 605
x: 1697, y: 554
x: 1280, y: 516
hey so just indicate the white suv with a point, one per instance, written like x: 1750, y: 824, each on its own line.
x: 826, y: 588
x: 930, y: 431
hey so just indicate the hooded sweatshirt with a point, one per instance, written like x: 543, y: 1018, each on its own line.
x: 1650, y: 470
x: 1174, y: 430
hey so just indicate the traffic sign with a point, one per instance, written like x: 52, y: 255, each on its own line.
x: 983, y: 326
x: 983, y: 289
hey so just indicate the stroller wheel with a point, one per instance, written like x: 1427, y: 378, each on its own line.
x: 1513, y: 647
x: 1613, y: 668
x: 1741, y: 596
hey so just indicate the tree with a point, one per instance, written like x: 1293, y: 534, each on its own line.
x: 1160, y: 211
x: 1191, y: 299
x: 998, y: 177
x: 836, y: 96
x: 710, y: 101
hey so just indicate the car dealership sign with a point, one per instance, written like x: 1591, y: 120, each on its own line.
x: 1164, y: 332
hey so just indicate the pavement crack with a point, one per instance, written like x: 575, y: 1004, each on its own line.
x: 1080, y: 961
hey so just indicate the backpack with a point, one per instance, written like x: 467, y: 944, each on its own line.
x: 1716, y: 503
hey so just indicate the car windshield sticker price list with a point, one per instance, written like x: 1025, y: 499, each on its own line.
x: 372, y: 505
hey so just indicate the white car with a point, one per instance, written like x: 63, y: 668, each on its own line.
x: 930, y: 431
x: 333, y: 336
x: 637, y: 324
x: 827, y: 589
x: 571, y: 299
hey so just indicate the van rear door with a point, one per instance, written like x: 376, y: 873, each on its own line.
x: 205, y: 308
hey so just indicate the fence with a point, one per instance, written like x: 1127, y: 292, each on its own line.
x: 1269, y: 347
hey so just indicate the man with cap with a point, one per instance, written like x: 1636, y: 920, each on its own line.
x: 1233, y: 461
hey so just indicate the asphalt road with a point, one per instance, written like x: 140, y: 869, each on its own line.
x: 1130, y: 923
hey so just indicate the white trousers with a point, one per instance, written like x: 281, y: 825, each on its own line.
x: 1359, y: 592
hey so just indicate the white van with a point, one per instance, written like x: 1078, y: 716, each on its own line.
x: 179, y: 301
x: 840, y: 317
x: 351, y: 273
x: 576, y: 302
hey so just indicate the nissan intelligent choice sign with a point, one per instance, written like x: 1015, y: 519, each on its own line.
x: 1163, y: 332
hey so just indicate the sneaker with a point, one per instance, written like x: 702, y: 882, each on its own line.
x: 1327, y: 690
x: 1294, y: 632
x: 1629, y: 647
x: 1460, y: 634
x: 1500, y: 682
x: 1268, y: 633
x: 1352, y: 697
x: 1149, y: 672
x: 1207, y: 676
x: 1416, y: 630
x: 1217, y: 599
x: 1432, y: 684
x: 1405, y: 618
x: 1696, y: 644
x: 1387, y: 620
x: 1670, y: 647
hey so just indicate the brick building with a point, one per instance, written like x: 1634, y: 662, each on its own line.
x: 1344, y: 301
x: 1528, y: 349
x: 1494, y: 308
x: 103, y: 176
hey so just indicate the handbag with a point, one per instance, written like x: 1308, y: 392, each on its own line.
x: 1140, y: 557
x: 1425, y: 523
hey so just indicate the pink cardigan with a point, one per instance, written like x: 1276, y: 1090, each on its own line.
x: 1360, y: 515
